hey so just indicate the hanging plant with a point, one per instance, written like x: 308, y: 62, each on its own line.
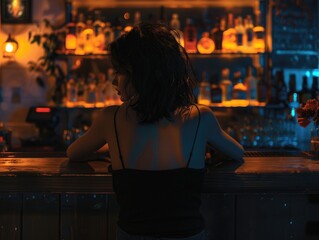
x: 46, y: 65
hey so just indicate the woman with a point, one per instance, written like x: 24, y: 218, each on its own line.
x: 156, y: 138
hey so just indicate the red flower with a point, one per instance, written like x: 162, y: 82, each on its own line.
x: 308, y: 112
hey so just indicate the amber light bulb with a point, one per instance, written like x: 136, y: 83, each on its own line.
x: 10, y: 47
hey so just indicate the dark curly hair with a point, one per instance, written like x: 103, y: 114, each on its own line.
x: 159, y: 70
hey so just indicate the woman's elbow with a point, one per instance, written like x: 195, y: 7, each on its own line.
x: 72, y: 154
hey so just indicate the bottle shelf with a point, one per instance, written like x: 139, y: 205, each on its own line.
x: 166, y: 3
x: 216, y: 54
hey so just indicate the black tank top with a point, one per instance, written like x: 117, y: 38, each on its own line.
x: 159, y: 203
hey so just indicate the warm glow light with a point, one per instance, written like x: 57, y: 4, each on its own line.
x: 70, y: 41
x: 42, y: 110
x: 9, y: 47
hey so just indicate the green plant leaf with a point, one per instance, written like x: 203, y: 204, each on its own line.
x: 40, y: 82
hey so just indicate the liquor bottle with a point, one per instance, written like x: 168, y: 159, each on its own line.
x: 176, y: 29
x: 72, y: 91
x: 305, y: 92
x: 259, y: 35
x: 88, y: 33
x: 314, y: 88
x: 80, y: 38
x: 204, y: 95
x: 81, y: 89
x: 292, y: 88
x: 249, y: 33
x: 101, y: 90
x: 239, y: 91
x: 90, y: 89
x: 281, y: 88
x: 251, y: 84
x: 190, y: 36
x: 229, y: 35
x: 216, y: 91
x: 217, y: 33
x: 293, y: 98
x: 70, y: 38
x: 226, y: 85
x: 99, y: 37
x: 162, y: 18
x: 262, y: 86
x: 137, y: 18
x: 240, y: 32
x: 108, y: 35
x: 205, y: 45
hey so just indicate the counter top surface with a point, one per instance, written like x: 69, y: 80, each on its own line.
x: 53, y: 172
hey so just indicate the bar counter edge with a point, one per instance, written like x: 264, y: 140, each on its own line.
x: 296, y: 175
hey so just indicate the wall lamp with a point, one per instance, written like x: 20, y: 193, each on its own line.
x: 10, y: 47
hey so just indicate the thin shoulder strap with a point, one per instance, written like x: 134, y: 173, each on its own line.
x: 117, y: 139
x: 198, y: 122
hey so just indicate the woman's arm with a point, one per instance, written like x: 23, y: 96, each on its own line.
x: 91, y: 142
x: 220, y: 140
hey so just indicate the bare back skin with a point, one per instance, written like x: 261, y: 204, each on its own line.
x: 157, y: 146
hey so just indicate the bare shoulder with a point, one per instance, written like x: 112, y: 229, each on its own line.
x: 108, y: 111
x: 205, y: 111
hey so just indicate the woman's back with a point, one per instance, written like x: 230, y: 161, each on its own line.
x: 157, y: 146
x: 158, y: 190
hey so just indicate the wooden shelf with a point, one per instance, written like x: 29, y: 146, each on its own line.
x: 165, y: 3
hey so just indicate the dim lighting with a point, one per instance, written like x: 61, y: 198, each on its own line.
x: 10, y: 47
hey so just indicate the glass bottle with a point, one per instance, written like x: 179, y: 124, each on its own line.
x: 292, y: 88
x: 108, y: 35
x: 305, y: 92
x: 251, y: 84
x: 216, y: 91
x: 71, y: 91
x: 205, y: 45
x: 90, y: 89
x: 81, y: 89
x: 190, y: 36
x: 240, y: 32
x: 239, y: 91
x: 176, y: 26
x: 88, y: 33
x: 226, y: 85
x: 204, y: 95
x: 101, y: 90
x: 293, y: 98
x: 229, y: 35
x: 80, y: 38
x: 70, y: 39
x: 217, y: 33
x: 262, y: 86
x: 99, y: 37
x: 281, y: 88
x: 137, y: 18
x: 259, y: 35
x: 249, y: 33
x: 314, y: 88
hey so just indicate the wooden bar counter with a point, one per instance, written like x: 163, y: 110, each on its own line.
x: 273, y: 195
